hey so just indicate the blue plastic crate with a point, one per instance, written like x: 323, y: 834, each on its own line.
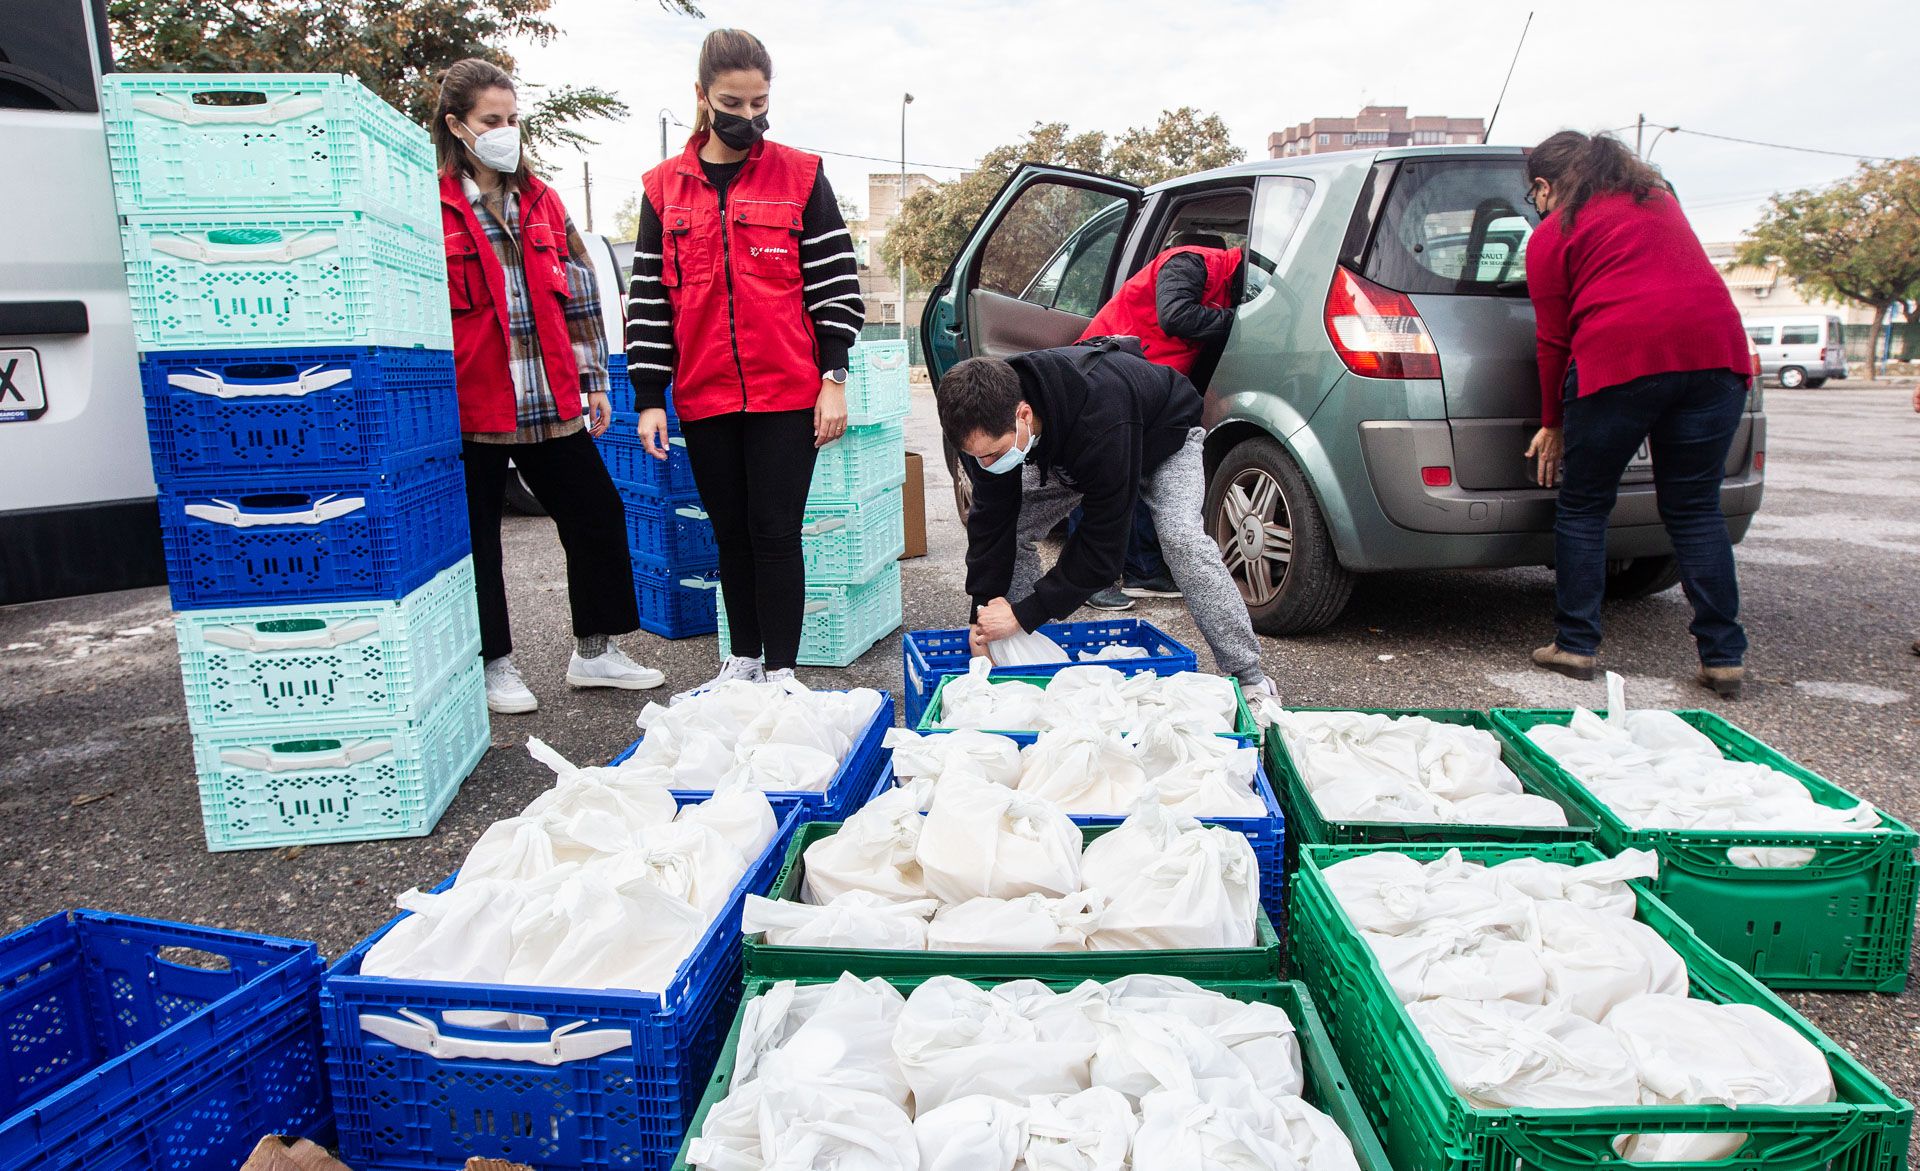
x: 850, y: 786
x: 508, y: 1093
x: 1267, y: 834
x: 860, y: 465
x: 669, y: 534
x: 928, y: 656
x: 878, y: 389
x: 265, y: 141
x: 311, y: 666
x: 676, y: 603
x: 277, y: 540
x: 239, y: 412
x: 841, y: 622
x: 845, y: 544
x: 630, y: 465
x: 370, y: 780
x: 123, y: 1053
x: 621, y: 392
x: 232, y: 279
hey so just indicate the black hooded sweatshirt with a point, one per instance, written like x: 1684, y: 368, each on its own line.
x: 1108, y: 418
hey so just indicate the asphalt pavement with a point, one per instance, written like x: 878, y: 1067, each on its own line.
x: 98, y: 796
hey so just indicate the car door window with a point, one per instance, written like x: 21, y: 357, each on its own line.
x: 1038, y: 248
x: 1277, y: 212
x: 1799, y: 335
x: 46, y: 57
x: 1761, y: 335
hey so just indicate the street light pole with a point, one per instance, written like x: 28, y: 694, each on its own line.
x: 900, y: 206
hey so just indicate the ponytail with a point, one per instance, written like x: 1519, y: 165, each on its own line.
x: 1582, y: 166
x: 727, y: 50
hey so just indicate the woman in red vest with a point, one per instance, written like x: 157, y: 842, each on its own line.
x: 1639, y: 342
x: 528, y: 346
x: 746, y: 297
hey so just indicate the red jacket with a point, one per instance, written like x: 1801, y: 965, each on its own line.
x: 1132, y: 312
x: 477, y: 288
x: 1628, y: 293
x: 742, y: 338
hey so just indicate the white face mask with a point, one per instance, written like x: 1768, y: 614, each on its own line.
x: 1013, y: 458
x: 498, y: 148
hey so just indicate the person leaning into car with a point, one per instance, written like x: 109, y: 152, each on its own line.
x: 1638, y: 342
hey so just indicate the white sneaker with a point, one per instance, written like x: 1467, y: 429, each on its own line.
x: 785, y: 675
x: 507, y: 693
x: 752, y: 670
x: 611, y: 668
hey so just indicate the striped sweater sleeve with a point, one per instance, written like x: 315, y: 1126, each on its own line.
x: 649, y: 317
x: 830, y: 277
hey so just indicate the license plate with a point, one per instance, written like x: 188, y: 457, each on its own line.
x: 1640, y: 467
x: 23, y: 397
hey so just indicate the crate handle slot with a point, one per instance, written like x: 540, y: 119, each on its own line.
x: 814, y: 607
x: 281, y: 248
x: 325, y: 508
x: 239, y: 638
x: 423, y: 1035
x: 824, y: 526
x: 886, y: 359
x: 323, y: 754
x: 691, y: 513
x: 261, y: 114
x: 700, y: 583
x: 207, y: 382
x: 677, y: 441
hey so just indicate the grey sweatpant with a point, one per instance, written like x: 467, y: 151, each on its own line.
x: 1176, y: 495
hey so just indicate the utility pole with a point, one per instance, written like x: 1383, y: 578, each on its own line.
x: 1639, y: 128
x: 899, y: 206
x: 586, y: 178
x: 663, y: 136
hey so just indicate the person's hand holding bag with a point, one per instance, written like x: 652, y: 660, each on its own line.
x: 653, y: 432
x: 830, y: 412
x: 995, y: 621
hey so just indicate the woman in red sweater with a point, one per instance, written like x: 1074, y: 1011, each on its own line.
x: 1639, y: 342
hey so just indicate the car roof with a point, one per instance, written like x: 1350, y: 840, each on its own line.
x: 1314, y: 165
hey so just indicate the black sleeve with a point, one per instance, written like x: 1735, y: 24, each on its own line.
x: 649, y: 317
x: 1176, y: 300
x: 993, y: 524
x: 830, y: 276
x: 1093, y: 555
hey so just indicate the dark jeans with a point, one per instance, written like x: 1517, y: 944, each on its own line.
x: 753, y: 470
x: 572, y: 484
x: 1143, y: 561
x: 1690, y: 418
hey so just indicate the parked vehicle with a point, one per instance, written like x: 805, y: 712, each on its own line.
x: 1799, y: 351
x: 1369, y: 411
x: 77, y: 511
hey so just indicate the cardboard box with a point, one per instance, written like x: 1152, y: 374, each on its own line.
x: 914, y: 501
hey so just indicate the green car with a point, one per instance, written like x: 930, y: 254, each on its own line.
x: 1369, y: 411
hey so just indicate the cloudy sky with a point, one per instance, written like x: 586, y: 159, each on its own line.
x: 982, y: 71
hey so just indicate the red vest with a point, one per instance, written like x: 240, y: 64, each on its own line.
x: 742, y: 337
x: 1132, y: 313
x: 477, y: 287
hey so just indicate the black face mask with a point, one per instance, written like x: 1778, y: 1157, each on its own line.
x: 737, y: 132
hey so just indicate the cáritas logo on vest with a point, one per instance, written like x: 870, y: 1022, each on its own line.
x: 758, y: 250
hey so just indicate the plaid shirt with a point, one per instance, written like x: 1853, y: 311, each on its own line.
x: 536, y: 415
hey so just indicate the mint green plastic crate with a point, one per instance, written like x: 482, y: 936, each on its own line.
x: 241, y: 279
x: 878, y: 386
x: 860, y: 464
x: 284, y: 142
x: 849, y: 543
x: 842, y: 622
x: 365, y: 782
x: 314, y: 665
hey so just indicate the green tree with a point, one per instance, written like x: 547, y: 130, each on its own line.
x: 935, y: 221
x: 398, y: 48
x: 1858, y: 240
x: 626, y: 221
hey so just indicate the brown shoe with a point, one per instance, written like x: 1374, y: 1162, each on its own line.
x: 1724, y: 682
x: 1552, y: 658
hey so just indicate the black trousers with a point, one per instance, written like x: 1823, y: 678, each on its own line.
x: 572, y: 484
x: 753, y: 471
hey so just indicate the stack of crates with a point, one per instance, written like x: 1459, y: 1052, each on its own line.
x: 284, y: 255
x: 855, y: 526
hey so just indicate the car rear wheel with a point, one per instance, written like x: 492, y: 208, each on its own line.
x: 1816, y: 383
x: 1273, y: 537
x: 1642, y: 577
x: 1792, y: 377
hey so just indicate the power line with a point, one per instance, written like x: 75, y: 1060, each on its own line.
x: 1812, y: 150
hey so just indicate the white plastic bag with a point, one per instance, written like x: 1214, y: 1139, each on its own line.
x: 832, y: 1034
x: 687, y: 860
x: 983, y: 840
x: 874, y: 850
x: 783, y: 768
x: 1260, y: 1035
x: 1182, y: 1132
x: 464, y: 934
x: 1025, y: 649
x: 1172, y: 883
x: 1459, y: 964
x: 1088, y: 1131
x: 593, y: 933
x: 1031, y: 922
x: 976, y: 1133
x: 976, y: 701
x: 512, y: 849
x: 1595, y: 960
x: 1082, y: 770
x: 955, y: 1039
x: 966, y: 751
x: 856, y: 919
x: 1502, y: 1054
x: 1114, y: 650
x: 1217, y: 788
x: 742, y: 816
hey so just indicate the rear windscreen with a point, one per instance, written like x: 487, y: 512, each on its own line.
x: 1454, y: 226
x: 46, y: 56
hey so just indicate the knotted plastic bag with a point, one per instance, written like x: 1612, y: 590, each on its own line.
x: 1083, y: 769
x: 983, y: 840
x: 1031, y: 922
x: 968, y: 752
x: 1172, y: 883
x: 1011, y: 1042
x: 856, y: 919
x: 875, y: 849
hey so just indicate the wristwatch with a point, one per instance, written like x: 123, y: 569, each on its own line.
x: 838, y: 374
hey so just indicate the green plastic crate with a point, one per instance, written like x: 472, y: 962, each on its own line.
x: 841, y: 622
x: 1259, y: 962
x: 878, y: 383
x: 1843, y: 921
x: 1427, y: 1126
x: 1327, y: 1085
x: 848, y: 543
x: 1243, y: 723
x: 1307, y: 826
x: 860, y: 464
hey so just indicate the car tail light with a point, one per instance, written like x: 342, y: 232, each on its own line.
x: 1753, y: 359
x: 1759, y: 461
x: 1437, y: 477
x: 1377, y: 332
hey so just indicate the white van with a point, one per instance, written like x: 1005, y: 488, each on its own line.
x: 77, y: 512
x: 1799, y: 351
